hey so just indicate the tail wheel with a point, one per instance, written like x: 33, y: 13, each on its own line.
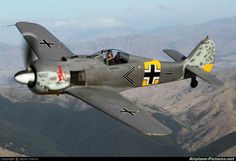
x: 194, y: 82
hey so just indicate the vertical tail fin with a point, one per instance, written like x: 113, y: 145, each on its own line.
x: 201, y: 61
x: 203, y: 55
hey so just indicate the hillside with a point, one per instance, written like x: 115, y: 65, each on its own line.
x: 207, y: 114
x: 230, y: 152
x: 44, y: 129
x: 201, y: 117
x: 7, y: 153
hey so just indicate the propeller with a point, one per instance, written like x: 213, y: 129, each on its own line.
x: 27, y: 76
x: 28, y: 56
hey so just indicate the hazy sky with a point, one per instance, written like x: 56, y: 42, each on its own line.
x: 139, y: 14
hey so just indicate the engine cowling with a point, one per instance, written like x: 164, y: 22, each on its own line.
x: 46, y: 77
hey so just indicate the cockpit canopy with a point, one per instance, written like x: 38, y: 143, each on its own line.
x: 112, y: 56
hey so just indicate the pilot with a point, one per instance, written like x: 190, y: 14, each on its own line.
x: 110, y: 58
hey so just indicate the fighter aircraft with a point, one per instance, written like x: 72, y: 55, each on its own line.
x: 97, y: 79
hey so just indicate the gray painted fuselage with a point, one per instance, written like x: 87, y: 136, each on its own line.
x: 97, y: 73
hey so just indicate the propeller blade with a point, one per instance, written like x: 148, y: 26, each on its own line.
x: 28, y: 56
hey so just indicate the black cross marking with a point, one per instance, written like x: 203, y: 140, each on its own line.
x: 49, y: 44
x: 127, y: 111
x: 152, y: 74
x: 126, y: 76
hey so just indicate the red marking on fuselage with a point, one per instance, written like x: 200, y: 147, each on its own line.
x: 60, y: 74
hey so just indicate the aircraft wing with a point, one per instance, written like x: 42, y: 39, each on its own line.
x: 42, y: 42
x: 118, y: 107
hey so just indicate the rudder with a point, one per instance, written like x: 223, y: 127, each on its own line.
x: 203, y: 55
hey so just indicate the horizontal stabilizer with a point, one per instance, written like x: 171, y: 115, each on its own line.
x: 205, y: 76
x: 177, y: 56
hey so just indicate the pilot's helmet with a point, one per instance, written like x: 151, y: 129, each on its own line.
x: 109, y: 53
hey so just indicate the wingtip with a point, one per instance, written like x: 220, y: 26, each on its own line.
x: 218, y: 84
x: 166, y: 50
x: 158, y: 134
x: 20, y: 23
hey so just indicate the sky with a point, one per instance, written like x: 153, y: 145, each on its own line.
x: 136, y: 14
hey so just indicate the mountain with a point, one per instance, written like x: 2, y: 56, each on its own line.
x: 148, y: 43
x: 152, y: 42
x: 45, y: 129
x: 198, y: 117
x: 230, y: 152
x: 203, y: 119
x: 221, y: 31
x: 206, y: 114
x: 5, y: 152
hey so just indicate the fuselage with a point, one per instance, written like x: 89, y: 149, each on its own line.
x: 52, y: 77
